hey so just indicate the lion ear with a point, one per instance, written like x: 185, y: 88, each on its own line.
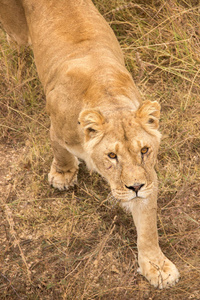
x: 92, y: 122
x: 149, y: 113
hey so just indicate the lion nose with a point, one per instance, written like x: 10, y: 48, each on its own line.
x: 136, y: 187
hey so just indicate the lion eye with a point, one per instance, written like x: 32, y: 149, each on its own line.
x: 112, y: 155
x: 144, y: 150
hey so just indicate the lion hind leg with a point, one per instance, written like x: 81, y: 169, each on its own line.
x: 64, y: 168
x: 12, y: 17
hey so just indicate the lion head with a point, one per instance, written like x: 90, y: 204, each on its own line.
x: 123, y: 146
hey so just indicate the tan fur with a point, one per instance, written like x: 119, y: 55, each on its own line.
x: 95, y: 109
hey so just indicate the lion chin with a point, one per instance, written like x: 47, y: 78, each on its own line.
x: 96, y: 113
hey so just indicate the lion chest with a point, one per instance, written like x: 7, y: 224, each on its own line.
x: 80, y: 153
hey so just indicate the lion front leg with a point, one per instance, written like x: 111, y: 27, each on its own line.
x: 153, y: 264
x: 64, y: 168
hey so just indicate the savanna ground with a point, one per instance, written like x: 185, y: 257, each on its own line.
x: 76, y: 244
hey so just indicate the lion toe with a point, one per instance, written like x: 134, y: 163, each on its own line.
x: 62, y: 181
x: 162, y: 275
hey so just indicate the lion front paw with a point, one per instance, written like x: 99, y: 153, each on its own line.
x: 161, y: 273
x: 62, y: 180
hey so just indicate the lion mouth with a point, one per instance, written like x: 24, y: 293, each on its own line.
x: 130, y: 194
x: 125, y: 197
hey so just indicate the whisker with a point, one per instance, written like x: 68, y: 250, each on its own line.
x: 113, y: 201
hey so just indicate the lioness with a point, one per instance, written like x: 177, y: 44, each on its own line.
x: 96, y: 112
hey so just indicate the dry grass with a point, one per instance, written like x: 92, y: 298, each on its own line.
x: 75, y: 244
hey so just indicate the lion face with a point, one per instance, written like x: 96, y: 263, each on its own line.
x: 123, y: 148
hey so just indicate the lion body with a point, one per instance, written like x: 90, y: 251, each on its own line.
x: 96, y: 112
